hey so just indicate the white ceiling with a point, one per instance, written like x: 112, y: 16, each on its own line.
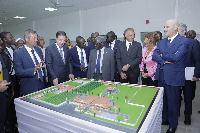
x: 34, y: 9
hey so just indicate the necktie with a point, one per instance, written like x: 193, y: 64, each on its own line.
x: 168, y: 42
x: 82, y: 59
x: 129, y: 49
x: 61, y: 54
x: 98, y: 62
x: 36, y: 61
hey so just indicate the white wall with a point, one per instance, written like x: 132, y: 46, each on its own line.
x: 116, y: 17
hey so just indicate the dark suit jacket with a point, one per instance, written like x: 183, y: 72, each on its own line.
x: 193, y: 56
x: 174, y: 74
x: 7, y: 58
x: 133, y: 60
x: 55, y: 66
x: 91, y: 45
x: 76, y: 61
x: 3, y: 96
x: 107, y: 64
x: 115, y: 46
x: 24, y: 68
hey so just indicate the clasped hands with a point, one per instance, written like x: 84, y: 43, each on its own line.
x: 4, y: 85
x: 83, y: 68
x: 124, y: 69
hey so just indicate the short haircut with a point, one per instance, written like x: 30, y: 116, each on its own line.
x: 3, y: 35
x: 100, y: 39
x: 27, y: 33
x: 128, y: 29
x: 79, y: 38
x: 183, y: 27
x: 60, y: 33
x: 191, y: 34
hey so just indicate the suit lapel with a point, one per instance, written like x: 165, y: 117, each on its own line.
x: 174, y: 42
x: 27, y: 56
x: 58, y: 53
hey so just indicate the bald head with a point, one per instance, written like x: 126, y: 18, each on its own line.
x: 171, y: 27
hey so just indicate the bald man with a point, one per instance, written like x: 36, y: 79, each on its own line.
x: 170, y: 55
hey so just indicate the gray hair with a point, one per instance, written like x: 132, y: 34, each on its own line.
x: 183, y: 27
x: 27, y: 33
x: 128, y: 29
x: 99, y: 39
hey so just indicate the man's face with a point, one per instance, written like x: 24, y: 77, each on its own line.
x: 130, y: 35
x: 81, y: 43
x: 182, y: 33
x: 41, y: 41
x: 32, y: 40
x: 94, y: 35
x: 110, y: 38
x: 98, y: 45
x: 10, y: 39
x: 60, y: 40
x: 169, y: 29
x: 20, y: 43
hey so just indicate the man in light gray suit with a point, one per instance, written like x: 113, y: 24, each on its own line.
x: 101, y: 62
x: 129, y: 56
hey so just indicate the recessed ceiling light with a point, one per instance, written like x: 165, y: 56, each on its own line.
x: 19, y: 17
x: 0, y: 23
x: 50, y: 9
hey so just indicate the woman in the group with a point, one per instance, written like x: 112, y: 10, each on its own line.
x: 148, y: 66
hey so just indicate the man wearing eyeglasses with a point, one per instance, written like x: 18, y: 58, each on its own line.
x: 101, y: 62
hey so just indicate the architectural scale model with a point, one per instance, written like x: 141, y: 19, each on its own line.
x: 123, y: 105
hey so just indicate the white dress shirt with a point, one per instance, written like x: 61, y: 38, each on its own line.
x: 102, y: 53
x: 112, y: 45
x: 127, y: 44
x: 61, y: 50
x: 84, y: 55
x: 37, y: 56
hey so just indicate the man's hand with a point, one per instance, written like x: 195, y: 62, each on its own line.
x: 125, y: 68
x: 83, y: 68
x: 38, y: 66
x: 123, y: 75
x: 71, y: 76
x: 195, y: 79
x: 55, y: 82
x: 4, y: 85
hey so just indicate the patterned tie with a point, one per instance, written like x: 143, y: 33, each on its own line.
x: 168, y: 43
x: 82, y: 59
x: 36, y: 61
x: 61, y: 54
x: 98, y: 62
x: 129, y: 49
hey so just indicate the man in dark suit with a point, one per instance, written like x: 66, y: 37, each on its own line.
x: 170, y: 55
x: 13, y: 90
x: 58, y: 62
x: 112, y: 43
x: 3, y: 93
x: 192, y: 61
x: 28, y: 65
x: 101, y: 62
x: 129, y: 56
x: 91, y: 44
x: 80, y: 58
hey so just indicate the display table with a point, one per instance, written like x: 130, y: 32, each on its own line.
x: 45, y: 118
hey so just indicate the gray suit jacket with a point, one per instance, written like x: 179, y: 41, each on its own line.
x: 108, y: 68
x: 133, y: 60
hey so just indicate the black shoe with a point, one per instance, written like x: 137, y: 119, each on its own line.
x: 198, y: 111
x: 171, y: 130
x: 165, y: 123
x: 187, y: 121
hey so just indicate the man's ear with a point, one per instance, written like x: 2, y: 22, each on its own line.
x: 176, y: 28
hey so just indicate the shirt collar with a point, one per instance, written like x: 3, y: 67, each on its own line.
x: 172, y: 38
x: 28, y: 48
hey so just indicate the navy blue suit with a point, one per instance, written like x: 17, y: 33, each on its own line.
x: 3, y: 97
x: 76, y: 62
x: 171, y: 76
x: 106, y: 44
x: 24, y: 68
x: 192, y: 60
x: 55, y: 66
x: 91, y: 45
